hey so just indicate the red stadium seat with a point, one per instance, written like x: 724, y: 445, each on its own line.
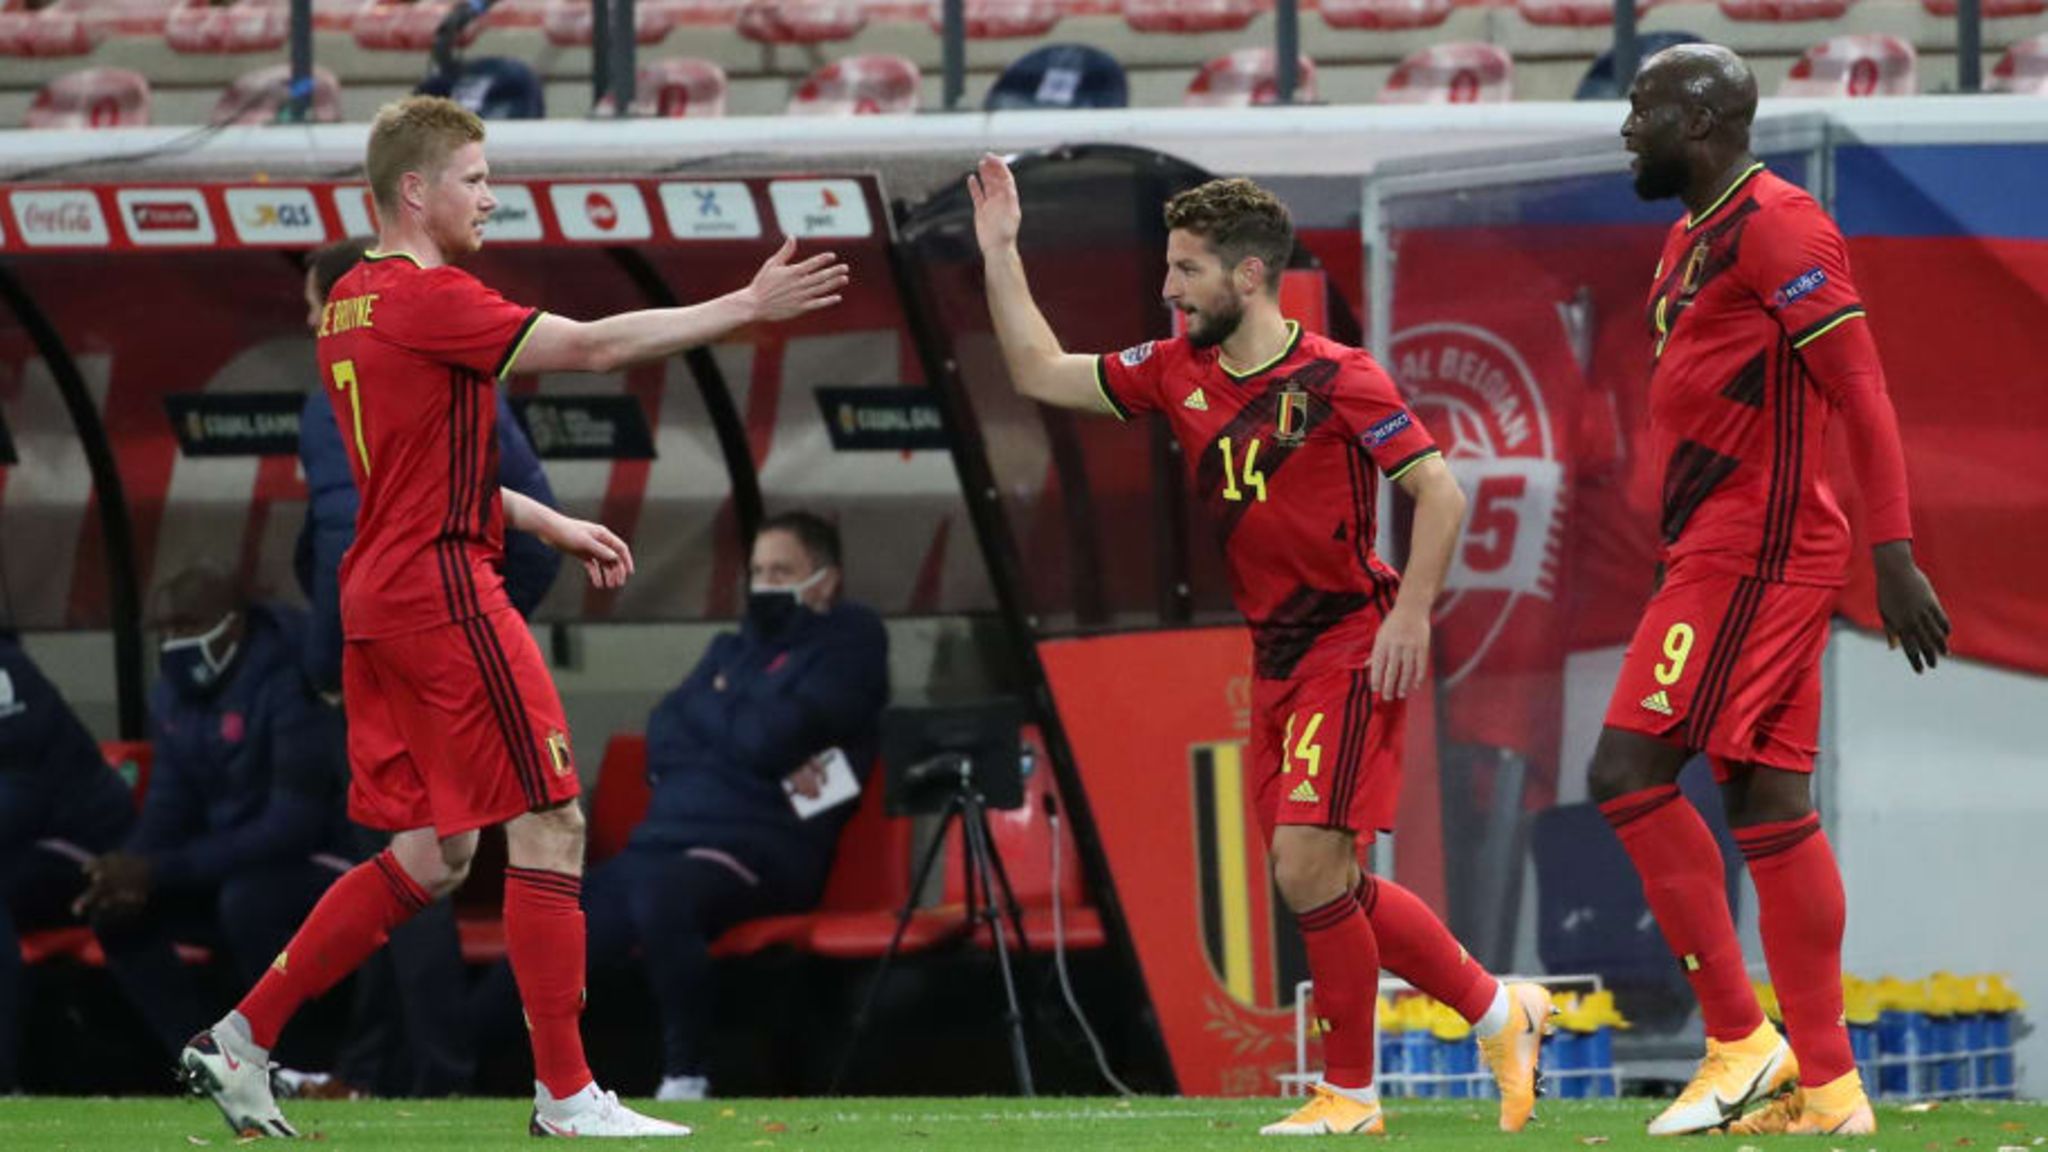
x: 681, y: 87
x: 256, y: 97
x: 1246, y: 78
x: 873, y: 85
x: 2023, y: 69
x: 1023, y: 838
x: 131, y: 760
x: 802, y: 21
x: 1867, y: 64
x: 1572, y: 13
x: 519, y: 14
x: 1991, y: 9
x: 567, y: 23
x: 93, y: 98
x: 1192, y: 15
x: 1385, y: 15
x: 1785, y: 11
x: 199, y: 26
x: 27, y: 32
x: 403, y: 26
x: 1000, y: 19
x: 1457, y: 73
x: 119, y: 17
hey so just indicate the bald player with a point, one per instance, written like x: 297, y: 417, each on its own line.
x: 1761, y: 342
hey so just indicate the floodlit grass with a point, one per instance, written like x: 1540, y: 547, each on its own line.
x: 979, y: 1124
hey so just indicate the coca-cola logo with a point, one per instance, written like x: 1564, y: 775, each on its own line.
x: 603, y: 214
x: 69, y: 218
x: 172, y: 216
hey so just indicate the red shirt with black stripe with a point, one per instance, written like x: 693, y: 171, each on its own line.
x: 1738, y: 415
x: 1286, y: 459
x: 410, y: 356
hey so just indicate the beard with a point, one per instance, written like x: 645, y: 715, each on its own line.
x: 1218, y: 324
x: 1660, y: 177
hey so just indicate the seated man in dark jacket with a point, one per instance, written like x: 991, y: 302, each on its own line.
x: 245, y: 822
x: 803, y: 681
x: 60, y: 805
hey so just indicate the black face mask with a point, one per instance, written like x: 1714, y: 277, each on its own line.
x: 772, y: 610
x: 191, y: 665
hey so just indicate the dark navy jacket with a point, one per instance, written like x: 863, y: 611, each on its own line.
x: 53, y: 782
x: 751, y: 713
x: 330, y: 527
x: 255, y: 775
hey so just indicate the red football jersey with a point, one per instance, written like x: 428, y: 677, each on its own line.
x: 1286, y: 458
x: 410, y: 356
x: 1734, y: 414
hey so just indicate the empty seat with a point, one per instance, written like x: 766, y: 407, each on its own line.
x: 118, y: 17
x: 199, y: 26
x: 802, y: 21
x: 998, y: 19
x: 257, y: 97
x: 1192, y: 15
x: 2023, y: 69
x: 1385, y: 15
x: 399, y: 26
x: 860, y: 86
x: 1990, y: 9
x: 27, y: 32
x: 1247, y: 77
x: 681, y: 87
x: 1060, y: 76
x: 568, y: 22
x: 92, y: 98
x: 1785, y: 11
x: 1866, y: 64
x: 1458, y: 73
x: 1571, y: 13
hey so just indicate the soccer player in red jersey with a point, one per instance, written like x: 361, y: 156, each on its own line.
x: 1760, y: 340
x: 1286, y: 436
x: 454, y: 724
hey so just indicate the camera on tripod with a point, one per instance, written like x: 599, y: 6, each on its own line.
x: 930, y: 754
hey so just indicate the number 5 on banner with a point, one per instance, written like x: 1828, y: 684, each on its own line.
x: 345, y: 381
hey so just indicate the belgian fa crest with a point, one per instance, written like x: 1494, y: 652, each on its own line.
x: 1290, y: 422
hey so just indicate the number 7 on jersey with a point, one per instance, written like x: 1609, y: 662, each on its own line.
x: 345, y: 381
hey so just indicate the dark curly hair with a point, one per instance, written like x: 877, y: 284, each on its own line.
x: 1239, y: 220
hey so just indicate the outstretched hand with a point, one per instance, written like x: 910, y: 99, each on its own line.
x: 998, y: 213
x: 1912, y: 613
x: 606, y: 559
x: 783, y: 290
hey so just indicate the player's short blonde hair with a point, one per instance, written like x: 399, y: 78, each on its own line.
x: 416, y: 134
x: 1239, y: 220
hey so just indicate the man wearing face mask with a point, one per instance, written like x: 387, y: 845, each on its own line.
x: 726, y: 750
x: 244, y: 823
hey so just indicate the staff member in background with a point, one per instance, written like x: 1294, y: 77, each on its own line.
x: 59, y: 805
x: 245, y: 822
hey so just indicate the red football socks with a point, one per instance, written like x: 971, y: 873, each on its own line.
x: 352, y: 920
x: 544, y: 939
x: 1419, y: 948
x: 1344, y: 963
x: 1685, y: 882
x: 1801, y: 911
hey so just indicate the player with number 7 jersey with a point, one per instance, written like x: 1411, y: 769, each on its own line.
x: 1287, y: 436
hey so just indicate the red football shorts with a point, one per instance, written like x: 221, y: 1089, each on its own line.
x: 454, y: 728
x: 1326, y: 753
x: 1730, y: 666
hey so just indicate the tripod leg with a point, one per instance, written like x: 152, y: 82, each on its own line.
x: 980, y: 849
x: 1002, y: 877
x: 954, y: 809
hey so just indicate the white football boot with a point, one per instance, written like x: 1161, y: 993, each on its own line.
x: 217, y: 1064
x: 594, y: 1112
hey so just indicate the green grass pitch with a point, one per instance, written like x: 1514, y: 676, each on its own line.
x: 51, y: 1124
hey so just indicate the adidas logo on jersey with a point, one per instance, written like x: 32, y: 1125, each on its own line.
x: 1304, y: 793
x: 1196, y: 401
x: 1658, y: 702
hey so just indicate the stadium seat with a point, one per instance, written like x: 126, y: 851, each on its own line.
x: 28, y: 32
x: 1572, y: 13
x: 1599, y: 82
x: 1023, y: 838
x: 567, y: 23
x: 92, y: 98
x: 1457, y: 73
x: 130, y: 759
x: 493, y: 87
x: 873, y: 85
x: 520, y: 14
x: 1385, y: 15
x: 1060, y: 76
x: 1867, y: 64
x: 802, y: 21
x: 619, y: 799
x: 1246, y: 78
x: 2023, y: 69
x: 680, y: 87
x: 1192, y: 15
x: 201, y: 27
x: 257, y: 97
x: 1001, y: 19
x: 1784, y: 11
x: 1990, y: 9
x: 118, y: 17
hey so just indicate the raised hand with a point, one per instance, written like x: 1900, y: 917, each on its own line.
x: 998, y: 214
x: 782, y: 290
